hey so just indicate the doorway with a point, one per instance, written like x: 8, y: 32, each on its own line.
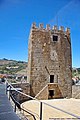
x: 51, y: 93
x: 51, y: 78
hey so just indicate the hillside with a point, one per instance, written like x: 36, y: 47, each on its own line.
x: 5, y: 61
x: 11, y: 66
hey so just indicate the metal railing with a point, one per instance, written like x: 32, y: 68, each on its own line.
x: 8, y: 85
x: 17, y: 104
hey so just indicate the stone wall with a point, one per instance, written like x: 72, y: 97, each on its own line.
x: 25, y: 89
x: 55, y: 88
x: 48, y: 57
x: 43, y: 94
x: 76, y: 91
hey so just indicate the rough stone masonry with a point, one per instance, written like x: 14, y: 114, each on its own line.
x: 49, y: 62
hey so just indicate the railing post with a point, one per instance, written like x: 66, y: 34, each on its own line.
x: 15, y: 107
x: 6, y: 87
x: 9, y: 92
x: 40, y: 110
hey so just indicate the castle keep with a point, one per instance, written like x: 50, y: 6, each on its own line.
x: 49, y: 62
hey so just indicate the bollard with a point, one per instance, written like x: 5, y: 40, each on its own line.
x: 40, y: 110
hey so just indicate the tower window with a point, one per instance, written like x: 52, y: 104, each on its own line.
x: 51, y: 78
x: 55, y: 38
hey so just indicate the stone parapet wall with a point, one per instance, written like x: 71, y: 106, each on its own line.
x: 25, y: 89
x: 48, y: 28
x: 76, y: 91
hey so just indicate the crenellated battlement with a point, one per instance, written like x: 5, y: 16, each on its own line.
x: 48, y: 28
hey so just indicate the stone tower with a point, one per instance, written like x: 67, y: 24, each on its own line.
x: 49, y: 62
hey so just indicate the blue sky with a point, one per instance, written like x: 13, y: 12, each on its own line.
x: 16, y: 17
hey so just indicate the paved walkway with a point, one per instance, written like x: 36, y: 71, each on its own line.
x: 6, y: 110
x: 69, y: 109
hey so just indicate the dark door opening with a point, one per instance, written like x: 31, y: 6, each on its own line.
x: 51, y: 93
x: 51, y: 78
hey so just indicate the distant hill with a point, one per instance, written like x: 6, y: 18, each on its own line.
x: 5, y: 61
x: 11, y: 66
